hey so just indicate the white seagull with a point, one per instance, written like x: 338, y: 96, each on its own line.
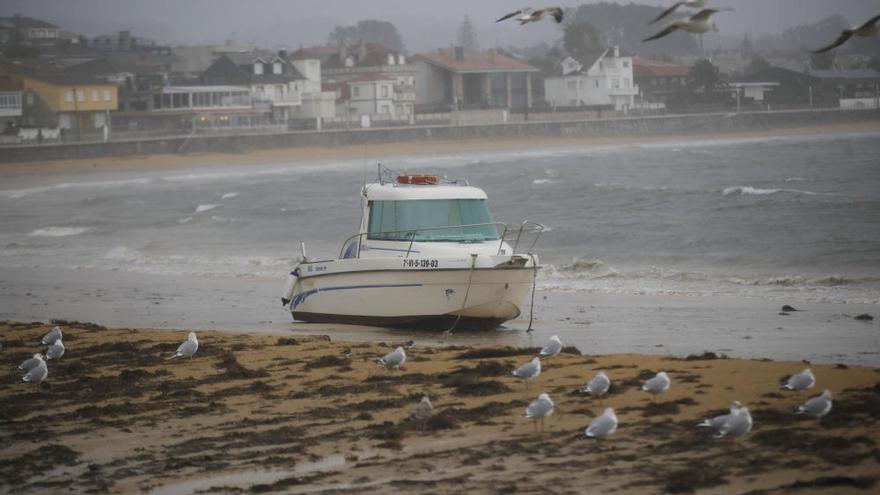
x: 539, y: 409
x: 552, y: 348
x: 527, y: 15
x: 37, y: 374
x: 52, y: 336
x: 658, y: 384
x: 56, y: 350
x: 698, y: 23
x: 188, y: 348
x: 602, y: 426
x: 817, y: 406
x: 394, y: 359
x: 800, y: 381
x: 694, y: 4
x: 598, y: 385
x: 738, y: 424
x: 29, y: 364
x: 423, y: 411
x: 865, y: 30
x: 718, y: 421
x: 528, y: 371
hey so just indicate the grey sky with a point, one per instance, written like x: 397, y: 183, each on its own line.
x: 292, y: 23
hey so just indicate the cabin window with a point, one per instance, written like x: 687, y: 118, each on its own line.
x: 449, y: 220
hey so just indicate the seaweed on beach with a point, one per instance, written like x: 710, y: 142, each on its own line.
x: 328, y: 361
x: 45, y: 458
x: 696, y: 475
x: 234, y: 370
x: 862, y: 483
x: 498, y: 352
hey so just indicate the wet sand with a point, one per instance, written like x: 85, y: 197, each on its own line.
x: 257, y: 413
x: 378, y: 152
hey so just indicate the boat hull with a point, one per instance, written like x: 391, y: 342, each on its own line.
x: 414, y: 298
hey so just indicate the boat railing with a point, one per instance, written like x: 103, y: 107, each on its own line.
x: 507, y: 233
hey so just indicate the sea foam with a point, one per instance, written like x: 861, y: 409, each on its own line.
x: 58, y: 231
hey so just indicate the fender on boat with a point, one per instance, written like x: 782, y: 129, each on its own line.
x: 288, y: 288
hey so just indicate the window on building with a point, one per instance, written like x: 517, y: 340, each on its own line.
x: 356, y: 91
x: 572, y: 85
x: 384, y: 91
x: 107, y: 95
x: 625, y: 82
x: 625, y: 64
x: 596, y: 83
x: 68, y: 95
x: 615, y: 83
x: 80, y: 95
x: 30, y: 98
x: 276, y: 68
x: 95, y: 95
x: 258, y: 68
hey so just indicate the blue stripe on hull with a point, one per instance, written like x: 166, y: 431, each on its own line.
x: 302, y: 296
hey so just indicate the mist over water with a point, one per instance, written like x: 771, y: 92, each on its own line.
x: 795, y: 218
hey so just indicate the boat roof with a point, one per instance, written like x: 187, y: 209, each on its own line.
x: 402, y: 192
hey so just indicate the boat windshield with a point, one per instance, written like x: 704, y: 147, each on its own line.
x: 432, y: 220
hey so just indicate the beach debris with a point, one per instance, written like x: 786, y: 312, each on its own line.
x: 698, y: 23
x: 394, y: 359
x: 52, y: 336
x: 539, y: 409
x: 188, y: 348
x: 788, y: 309
x: 527, y: 15
x: 598, y: 385
x: 37, y: 374
x: 865, y: 30
x: 694, y: 4
x: 800, y: 381
x: 29, y: 364
x: 817, y: 406
x: 56, y: 350
x: 528, y: 371
x: 552, y: 348
x: 423, y: 411
x: 658, y: 384
x: 864, y: 317
x: 738, y: 423
x: 602, y: 426
x: 718, y: 421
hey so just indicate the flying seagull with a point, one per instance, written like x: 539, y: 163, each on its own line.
x: 867, y: 29
x: 800, y: 381
x: 527, y: 15
x: 394, y: 359
x: 552, y: 348
x: 694, y: 4
x: 188, y: 348
x: 698, y: 23
x: 523, y: 11
x: 817, y: 406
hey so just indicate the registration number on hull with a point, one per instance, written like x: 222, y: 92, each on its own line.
x: 411, y: 263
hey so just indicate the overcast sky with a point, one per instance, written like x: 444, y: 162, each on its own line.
x: 424, y: 26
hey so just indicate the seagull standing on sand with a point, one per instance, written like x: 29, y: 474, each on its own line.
x: 718, y: 421
x: 698, y: 23
x: 552, y: 348
x: 29, y: 364
x: 528, y: 371
x: 37, y: 374
x: 527, y: 15
x: 602, y: 426
x: 738, y: 424
x: 694, y: 4
x: 598, y: 385
x: 423, y: 411
x: 657, y: 385
x: 800, y: 381
x: 817, y: 406
x: 52, y: 336
x: 539, y: 409
x: 56, y: 350
x: 188, y: 348
x: 865, y: 30
x: 394, y: 359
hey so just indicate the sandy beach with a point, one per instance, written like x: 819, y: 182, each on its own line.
x: 379, y: 152
x: 257, y: 413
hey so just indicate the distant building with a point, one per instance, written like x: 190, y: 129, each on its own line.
x: 27, y: 31
x: 660, y: 82
x: 448, y: 78
x: 275, y: 83
x: 73, y: 102
x: 316, y: 103
x: 10, y: 103
x: 605, y: 79
x: 371, y: 94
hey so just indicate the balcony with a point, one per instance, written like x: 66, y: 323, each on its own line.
x: 630, y: 91
x: 10, y: 103
x: 276, y: 99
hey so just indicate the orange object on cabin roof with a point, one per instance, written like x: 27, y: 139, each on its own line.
x: 417, y: 179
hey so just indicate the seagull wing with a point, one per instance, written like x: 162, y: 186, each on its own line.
x: 508, y: 16
x: 870, y: 23
x: 703, y: 15
x: 670, y: 28
x: 667, y: 12
x: 556, y: 12
x: 844, y: 36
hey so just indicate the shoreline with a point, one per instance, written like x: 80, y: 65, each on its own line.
x: 370, y: 152
x: 255, y: 413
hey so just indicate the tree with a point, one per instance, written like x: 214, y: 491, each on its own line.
x: 370, y: 31
x: 582, y: 40
x: 822, y: 61
x: 467, y: 37
x: 758, y: 64
x: 705, y: 76
x: 874, y: 63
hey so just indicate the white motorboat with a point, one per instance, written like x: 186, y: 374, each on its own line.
x: 427, y: 255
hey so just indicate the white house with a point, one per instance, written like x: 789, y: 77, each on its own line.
x: 372, y: 94
x: 315, y: 103
x: 606, y: 79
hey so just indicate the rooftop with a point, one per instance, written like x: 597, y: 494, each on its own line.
x: 643, y: 67
x: 481, y: 62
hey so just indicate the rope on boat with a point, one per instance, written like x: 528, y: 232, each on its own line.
x: 466, y: 292
x: 534, y: 284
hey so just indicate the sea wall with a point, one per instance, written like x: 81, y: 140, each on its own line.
x: 714, y: 123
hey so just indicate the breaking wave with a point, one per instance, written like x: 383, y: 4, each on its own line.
x: 58, y: 231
